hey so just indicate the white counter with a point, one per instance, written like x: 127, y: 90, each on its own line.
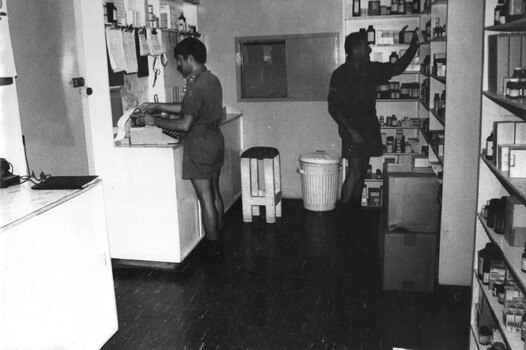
x: 56, y: 283
x: 153, y: 214
x: 20, y: 203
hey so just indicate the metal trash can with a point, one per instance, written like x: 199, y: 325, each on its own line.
x: 320, y: 180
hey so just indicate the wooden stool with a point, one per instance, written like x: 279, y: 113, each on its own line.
x: 251, y: 195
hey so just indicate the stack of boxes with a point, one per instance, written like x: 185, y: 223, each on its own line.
x: 408, y: 234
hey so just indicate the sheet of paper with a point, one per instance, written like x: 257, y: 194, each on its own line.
x: 123, y: 125
x: 154, y: 42
x: 144, y: 48
x: 129, y: 51
x: 115, y: 49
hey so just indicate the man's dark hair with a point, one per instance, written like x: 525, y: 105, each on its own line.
x: 191, y: 46
x: 353, y: 40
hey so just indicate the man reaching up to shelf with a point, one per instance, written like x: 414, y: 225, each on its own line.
x: 352, y: 104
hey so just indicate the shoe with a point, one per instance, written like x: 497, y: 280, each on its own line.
x: 208, y: 249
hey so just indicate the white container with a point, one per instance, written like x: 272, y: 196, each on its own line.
x: 320, y: 180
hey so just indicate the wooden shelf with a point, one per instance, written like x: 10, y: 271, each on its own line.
x: 425, y: 105
x: 433, y: 148
x: 437, y: 117
x: 439, y: 40
x: 381, y: 17
x: 399, y: 127
x: 437, y: 78
x: 517, y: 104
x: 397, y: 154
x: 516, y: 186
x: 515, y: 26
x: 397, y: 100
x: 374, y: 46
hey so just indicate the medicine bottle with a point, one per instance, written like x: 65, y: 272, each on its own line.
x: 416, y: 6
x: 489, y: 147
x: 501, y: 293
x: 401, y: 7
x: 484, y: 261
x: 484, y: 335
x: 393, y: 57
x: 394, y: 120
x: 371, y: 35
x: 513, y: 88
x: 181, y: 23
x: 356, y: 8
x: 436, y: 101
x: 498, y: 346
x: 394, y: 7
x: 497, y: 12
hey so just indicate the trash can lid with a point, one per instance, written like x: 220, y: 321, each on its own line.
x: 319, y: 157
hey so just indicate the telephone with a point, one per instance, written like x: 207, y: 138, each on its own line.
x: 6, y: 177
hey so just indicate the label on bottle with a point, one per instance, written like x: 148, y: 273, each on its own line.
x: 480, y: 268
x: 370, y: 37
x: 485, y: 278
x: 489, y: 148
x: 356, y: 7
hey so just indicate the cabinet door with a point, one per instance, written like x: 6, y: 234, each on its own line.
x: 56, y: 289
x: 46, y: 46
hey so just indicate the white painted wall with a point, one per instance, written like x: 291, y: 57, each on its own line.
x: 294, y: 128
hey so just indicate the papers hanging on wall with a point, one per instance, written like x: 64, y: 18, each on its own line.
x: 154, y: 43
x: 129, y: 51
x: 121, y: 50
x: 144, y: 49
x: 115, y: 47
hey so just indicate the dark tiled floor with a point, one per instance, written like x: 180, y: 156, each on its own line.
x: 311, y: 281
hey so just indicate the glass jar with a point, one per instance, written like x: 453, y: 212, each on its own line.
x: 484, y: 335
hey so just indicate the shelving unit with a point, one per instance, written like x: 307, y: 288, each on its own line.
x: 494, y: 183
x: 400, y: 107
x: 437, y: 11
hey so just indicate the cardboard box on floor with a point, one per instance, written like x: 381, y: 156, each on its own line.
x: 408, y: 260
x: 411, y: 200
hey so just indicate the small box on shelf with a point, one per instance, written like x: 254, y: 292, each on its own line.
x: 503, y: 133
x: 374, y: 197
x: 515, y: 223
x: 517, y: 161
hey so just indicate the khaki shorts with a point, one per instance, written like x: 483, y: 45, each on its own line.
x: 203, y: 154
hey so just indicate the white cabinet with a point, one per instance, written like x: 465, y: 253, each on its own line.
x: 153, y: 214
x: 494, y: 183
x: 56, y: 283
